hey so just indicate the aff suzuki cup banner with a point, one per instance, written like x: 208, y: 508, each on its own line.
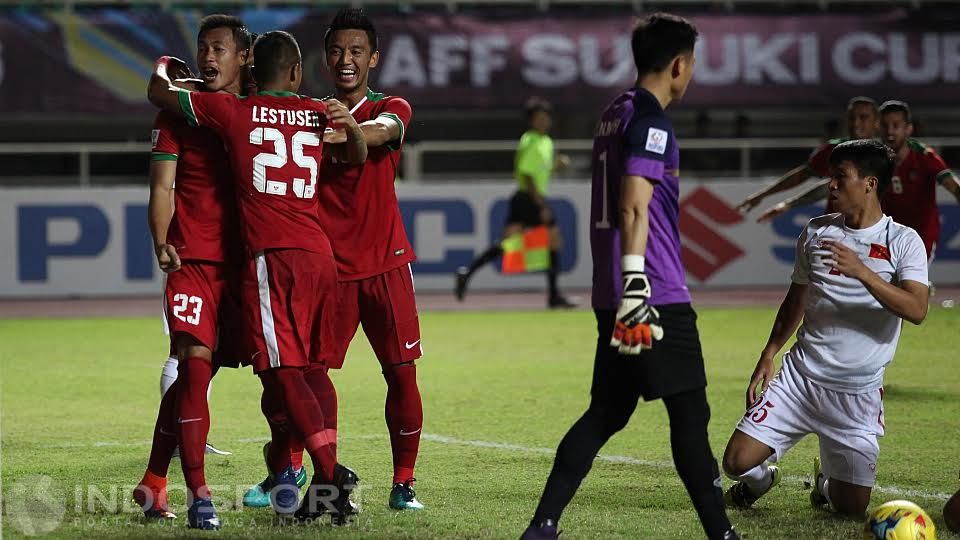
x: 95, y: 242
x: 98, y: 60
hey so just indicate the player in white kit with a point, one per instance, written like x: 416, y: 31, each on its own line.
x: 857, y: 274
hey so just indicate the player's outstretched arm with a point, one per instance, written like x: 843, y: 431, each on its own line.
x: 814, y: 194
x: 793, y: 178
x: 952, y: 184
x: 160, y: 212
x: 161, y: 91
x: 908, y: 300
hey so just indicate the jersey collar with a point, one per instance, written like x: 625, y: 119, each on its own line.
x: 276, y: 93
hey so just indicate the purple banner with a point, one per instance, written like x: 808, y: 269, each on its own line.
x: 60, y: 63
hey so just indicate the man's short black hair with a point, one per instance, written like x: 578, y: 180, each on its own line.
x: 241, y: 36
x: 862, y: 100
x: 870, y: 157
x: 536, y: 104
x: 274, y: 54
x: 658, y: 39
x: 350, y: 18
x: 892, y: 106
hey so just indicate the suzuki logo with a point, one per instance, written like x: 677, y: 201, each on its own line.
x: 704, y: 250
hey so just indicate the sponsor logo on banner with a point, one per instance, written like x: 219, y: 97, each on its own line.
x: 95, y: 241
x: 705, y: 249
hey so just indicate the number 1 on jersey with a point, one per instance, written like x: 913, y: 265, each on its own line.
x: 278, y: 159
x: 604, y: 222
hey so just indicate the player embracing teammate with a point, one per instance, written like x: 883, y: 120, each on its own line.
x: 288, y: 276
x: 359, y: 212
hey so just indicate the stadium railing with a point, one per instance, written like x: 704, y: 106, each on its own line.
x: 417, y: 155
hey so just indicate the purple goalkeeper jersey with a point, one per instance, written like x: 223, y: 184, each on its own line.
x: 635, y: 138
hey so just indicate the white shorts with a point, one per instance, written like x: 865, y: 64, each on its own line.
x: 847, y: 425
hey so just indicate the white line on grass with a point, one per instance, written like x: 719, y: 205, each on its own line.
x: 510, y: 447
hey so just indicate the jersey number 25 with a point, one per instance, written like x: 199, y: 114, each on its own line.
x: 277, y: 159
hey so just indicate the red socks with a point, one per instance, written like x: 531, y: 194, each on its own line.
x: 319, y: 380
x: 193, y: 421
x: 404, y: 414
x: 304, y: 413
x: 164, y: 435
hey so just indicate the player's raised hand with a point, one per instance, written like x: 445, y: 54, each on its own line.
x: 638, y: 323
x: 167, y: 258
x: 339, y: 115
x: 174, y: 68
x: 748, y: 204
x: 762, y: 375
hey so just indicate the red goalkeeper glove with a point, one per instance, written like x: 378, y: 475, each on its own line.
x: 638, y: 323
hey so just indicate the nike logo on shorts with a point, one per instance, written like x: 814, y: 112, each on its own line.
x: 402, y: 432
x: 410, y: 345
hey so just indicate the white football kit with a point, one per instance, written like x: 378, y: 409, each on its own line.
x: 831, y: 380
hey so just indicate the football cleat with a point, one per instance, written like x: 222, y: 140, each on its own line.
x: 258, y: 496
x: 285, y: 493
x: 402, y: 496
x: 208, y: 449
x: 460, y: 289
x: 561, y: 302
x: 314, y: 504
x: 545, y: 530
x: 202, y: 515
x: 817, y: 500
x: 740, y: 496
x: 156, y: 507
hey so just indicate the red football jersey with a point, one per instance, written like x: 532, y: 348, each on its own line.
x: 358, y: 204
x: 912, y: 196
x: 274, y: 141
x: 202, y: 227
x: 819, y: 160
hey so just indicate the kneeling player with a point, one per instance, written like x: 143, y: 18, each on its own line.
x: 857, y: 274
x: 951, y: 513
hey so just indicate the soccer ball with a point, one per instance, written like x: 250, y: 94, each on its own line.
x: 898, y: 520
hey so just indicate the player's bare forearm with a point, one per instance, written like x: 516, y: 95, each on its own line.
x: 161, y: 205
x: 952, y: 184
x: 161, y: 90
x: 635, y: 195
x: 788, y: 319
x: 814, y: 194
x: 793, y: 178
x: 909, y: 300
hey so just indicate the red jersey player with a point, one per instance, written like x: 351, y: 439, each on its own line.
x: 196, y: 246
x: 359, y: 212
x: 911, y: 199
x: 862, y: 123
x: 288, y: 282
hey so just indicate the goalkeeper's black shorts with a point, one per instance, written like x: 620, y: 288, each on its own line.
x: 674, y: 364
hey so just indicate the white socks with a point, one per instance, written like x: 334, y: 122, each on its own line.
x: 758, y: 479
x: 168, y: 375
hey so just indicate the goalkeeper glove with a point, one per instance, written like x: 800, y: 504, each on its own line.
x: 638, y: 323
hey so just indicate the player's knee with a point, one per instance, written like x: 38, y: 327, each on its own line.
x: 736, y: 461
x: 849, y: 500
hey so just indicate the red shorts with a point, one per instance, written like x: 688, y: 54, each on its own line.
x: 192, y: 301
x: 386, y: 306
x: 287, y: 294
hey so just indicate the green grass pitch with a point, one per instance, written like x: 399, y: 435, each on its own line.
x: 79, y: 399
